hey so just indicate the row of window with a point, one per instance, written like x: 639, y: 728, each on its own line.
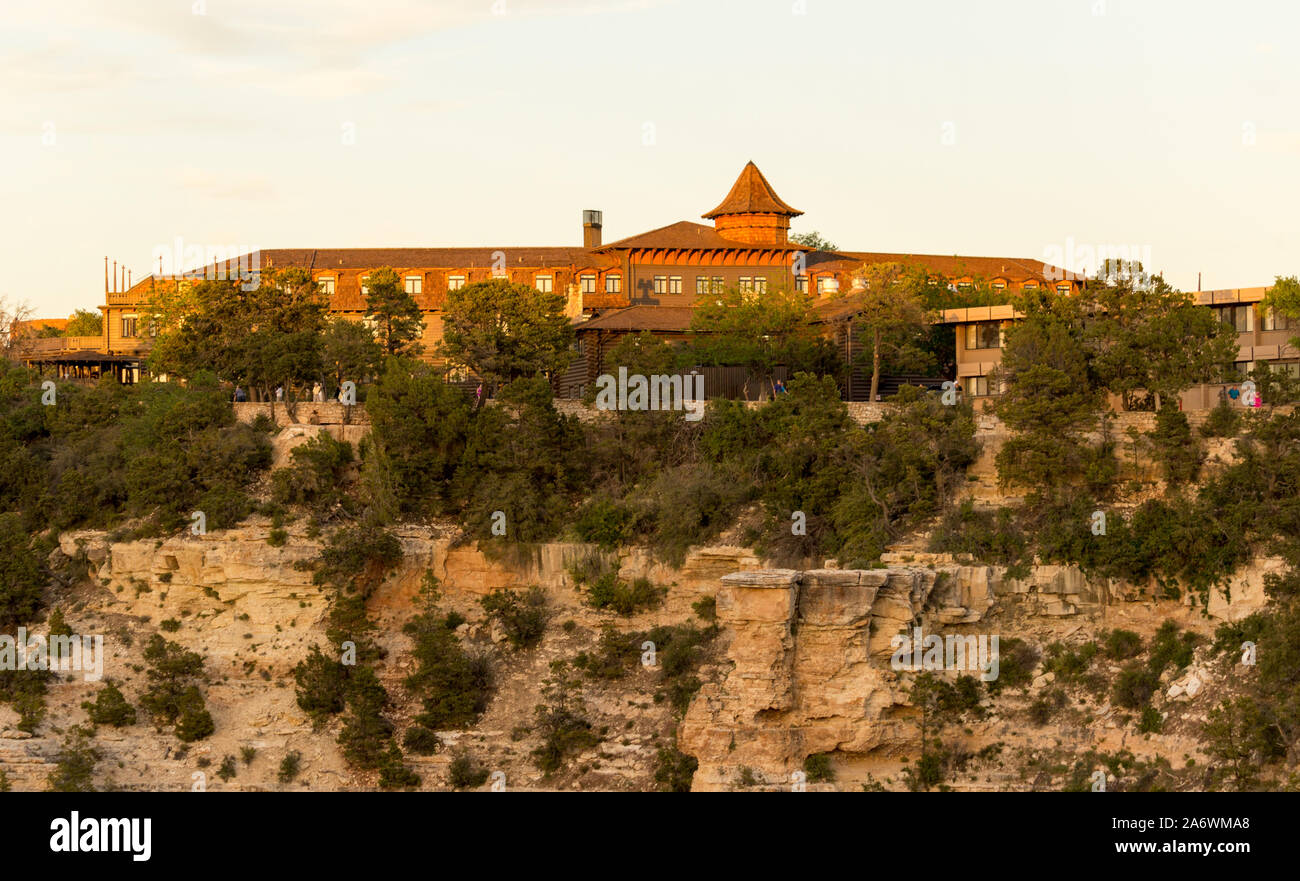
x: 663, y: 284
x: 982, y: 386
x: 1241, y: 317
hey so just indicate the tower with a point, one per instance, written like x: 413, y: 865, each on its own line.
x: 752, y: 212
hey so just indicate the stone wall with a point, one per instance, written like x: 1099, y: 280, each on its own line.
x: 306, y: 413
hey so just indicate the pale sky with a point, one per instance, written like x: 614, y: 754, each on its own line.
x: 981, y: 127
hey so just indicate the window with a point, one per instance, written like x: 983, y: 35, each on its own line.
x: 1063, y: 288
x: 415, y: 284
x: 981, y: 386
x: 326, y: 286
x: 1238, y: 317
x: 1291, y: 369
x: 1030, y: 286
x: 661, y: 284
x: 545, y: 284
x: 984, y: 335
x: 760, y: 284
x: 964, y: 286
x: 128, y: 325
x: 718, y: 285
x: 999, y: 285
x: 613, y: 284
x: 1274, y: 320
x: 455, y: 282
x: 365, y: 288
x: 746, y: 284
x: 675, y: 284
x: 827, y: 285
x: 801, y: 283
x: 587, y: 284
x: 701, y: 284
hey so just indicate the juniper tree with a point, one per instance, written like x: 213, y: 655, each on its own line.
x: 504, y: 331
x: 396, y: 316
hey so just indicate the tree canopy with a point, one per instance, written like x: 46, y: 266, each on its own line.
x: 394, y: 314
x: 504, y: 331
x: 759, y: 331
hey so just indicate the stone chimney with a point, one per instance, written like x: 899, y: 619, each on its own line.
x: 591, y: 229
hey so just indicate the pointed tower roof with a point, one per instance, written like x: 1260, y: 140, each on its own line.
x: 752, y: 194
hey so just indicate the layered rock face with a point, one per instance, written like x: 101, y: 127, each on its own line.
x: 811, y: 672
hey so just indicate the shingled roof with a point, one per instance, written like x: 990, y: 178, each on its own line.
x: 752, y: 194
x: 441, y: 258
x: 952, y: 266
x: 638, y: 318
x: 686, y: 236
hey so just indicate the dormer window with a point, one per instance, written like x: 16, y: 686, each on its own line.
x: 545, y: 283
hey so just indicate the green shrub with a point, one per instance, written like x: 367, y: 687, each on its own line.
x: 393, y: 773
x: 674, y: 770
x: 521, y: 617
x: 452, y: 685
x: 1046, y: 705
x: 1016, y: 662
x: 1069, y: 663
x: 562, y: 724
x: 110, y: 707
x: 1179, y: 455
x: 1223, y: 421
x: 1152, y: 721
x: 1134, y: 687
x: 818, y: 768
x: 604, y: 522
x: 74, y: 767
x: 1120, y: 645
x: 1170, y: 647
x: 321, y: 684
x: 22, y: 573
x: 290, y: 765
x: 315, y: 477
x: 195, y: 722
x: 172, y: 696
x: 706, y: 608
x: 465, y: 773
x: 228, y: 768
x: 421, y: 740
x: 613, y: 593
x: 366, y: 733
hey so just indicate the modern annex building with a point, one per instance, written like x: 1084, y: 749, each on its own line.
x: 644, y: 282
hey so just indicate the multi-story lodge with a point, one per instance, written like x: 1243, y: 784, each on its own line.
x: 645, y: 282
x: 1263, y: 338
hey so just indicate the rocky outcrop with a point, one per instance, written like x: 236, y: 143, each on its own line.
x: 811, y: 673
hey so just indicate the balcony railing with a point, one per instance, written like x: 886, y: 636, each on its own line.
x: 56, y: 345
